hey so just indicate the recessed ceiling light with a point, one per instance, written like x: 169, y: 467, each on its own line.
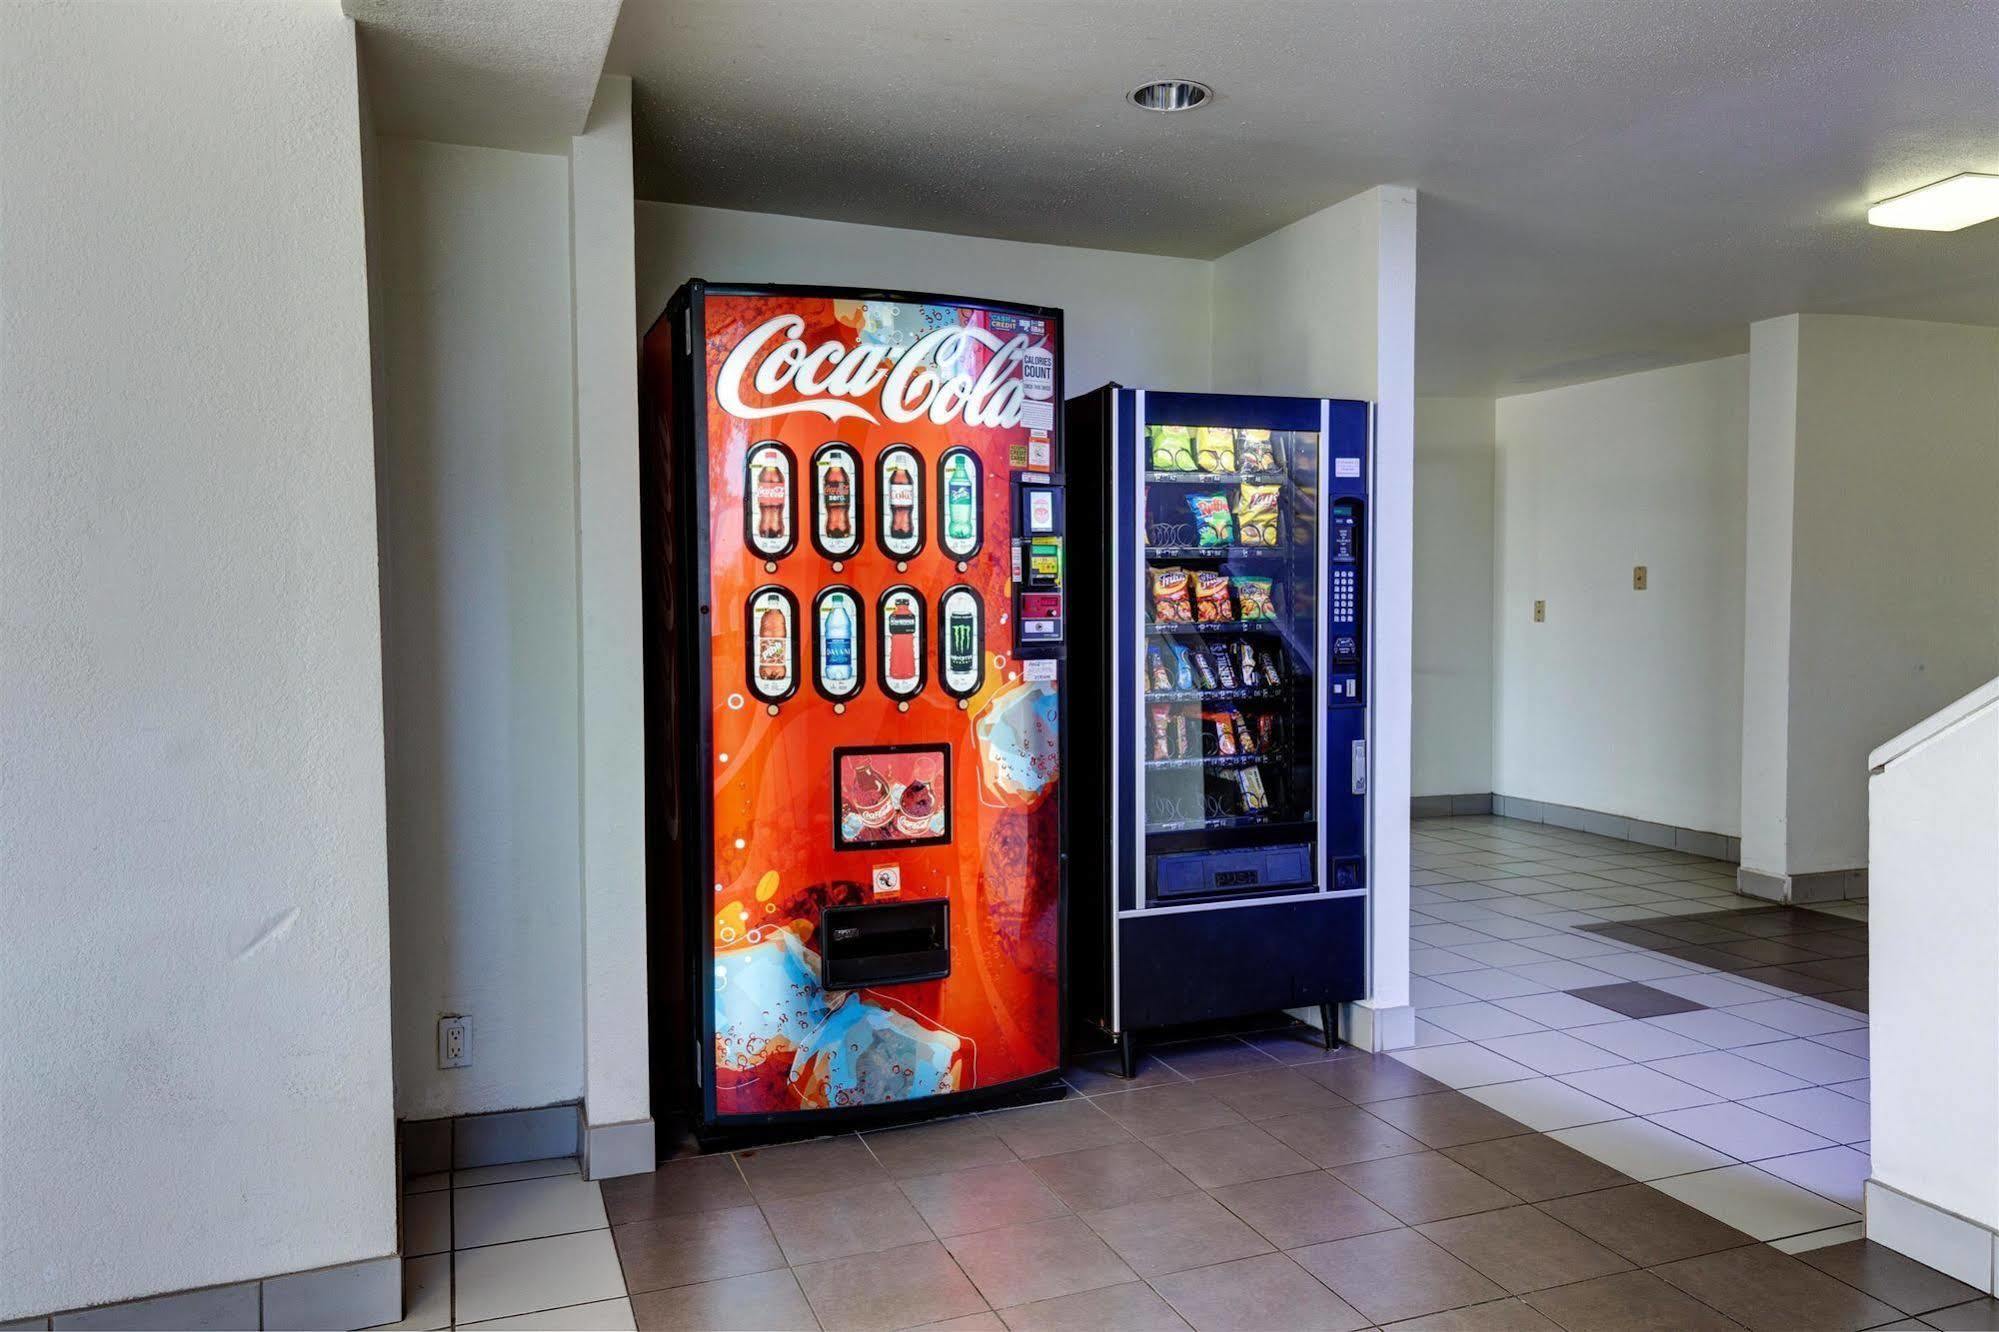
x: 1169, y: 95
x: 1948, y: 205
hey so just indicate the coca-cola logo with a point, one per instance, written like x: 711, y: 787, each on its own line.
x: 911, y: 378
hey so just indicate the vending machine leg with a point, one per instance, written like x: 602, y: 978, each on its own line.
x: 1328, y: 1017
x: 1127, y: 1051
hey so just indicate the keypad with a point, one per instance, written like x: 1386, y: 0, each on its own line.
x: 1343, y: 595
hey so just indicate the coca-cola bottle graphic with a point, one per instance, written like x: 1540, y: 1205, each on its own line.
x: 771, y: 502
x: 901, y: 502
x: 837, y: 492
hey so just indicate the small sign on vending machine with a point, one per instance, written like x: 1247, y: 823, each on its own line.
x: 1038, y: 598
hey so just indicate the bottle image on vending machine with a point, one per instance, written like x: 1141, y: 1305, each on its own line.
x: 839, y: 647
x: 901, y: 502
x: 771, y: 499
x: 958, y: 528
x: 839, y: 495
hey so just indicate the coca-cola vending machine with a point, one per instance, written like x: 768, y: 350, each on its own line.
x: 856, y: 611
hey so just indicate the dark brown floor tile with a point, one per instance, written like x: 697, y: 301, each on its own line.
x: 1701, y: 955
x: 1340, y: 1137
x: 1831, y: 944
x: 1104, y: 1073
x: 1231, y: 1154
x: 1427, y: 1186
x: 699, y: 1184
x: 1064, y: 1126
x: 1889, y: 1277
x: 931, y: 1149
x: 1255, y: 1295
x: 1523, y: 1249
x: 1785, y: 978
x: 1853, y: 999
x: 1131, y: 1307
x: 1395, y: 1274
x: 799, y: 1168
x: 1628, y: 1302
x: 1646, y: 935
x: 1770, y: 1291
x: 819, y: 1226
x: 1037, y: 1261
x: 1446, y: 1119
x: 1979, y: 1315
x: 1635, y: 1000
x: 1296, y: 1045
x: 1292, y: 1211
x: 1767, y: 951
x: 1508, y: 1315
x: 982, y: 1198
x: 1846, y: 972
x: 1100, y: 1177
x: 761, y: 1302
x: 1153, y: 1112
x: 700, y: 1246
x: 1269, y: 1093
x: 890, y: 1289
x: 1534, y: 1166
x: 1644, y: 1225
x: 1207, y: 1059
x: 1370, y: 1077
x: 1693, y: 930
x: 1170, y: 1234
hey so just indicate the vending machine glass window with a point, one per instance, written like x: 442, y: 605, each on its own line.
x: 1230, y: 570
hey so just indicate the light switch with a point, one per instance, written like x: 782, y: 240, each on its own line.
x: 1638, y: 577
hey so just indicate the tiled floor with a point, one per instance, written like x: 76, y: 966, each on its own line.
x: 1255, y: 1183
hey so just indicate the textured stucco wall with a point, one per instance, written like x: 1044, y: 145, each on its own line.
x: 194, y: 989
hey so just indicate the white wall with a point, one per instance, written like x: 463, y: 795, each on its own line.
x: 195, y: 1085
x: 1327, y: 307
x: 1139, y: 319
x: 481, y: 630
x: 1451, y: 741
x: 1895, y: 591
x: 1934, y: 819
x: 1623, y: 701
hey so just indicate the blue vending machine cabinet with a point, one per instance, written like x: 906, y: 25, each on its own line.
x: 1226, y: 645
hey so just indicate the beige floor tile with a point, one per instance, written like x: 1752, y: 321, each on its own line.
x: 1037, y: 1261
x: 891, y: 1289
x: 500, y: 1280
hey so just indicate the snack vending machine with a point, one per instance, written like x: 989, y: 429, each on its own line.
x: 1226, y: 646
x: 856, y: 605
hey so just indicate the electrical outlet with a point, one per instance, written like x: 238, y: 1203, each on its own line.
x: 454, y: 1041
x: 1638, y: 577
x: 1540, y: 611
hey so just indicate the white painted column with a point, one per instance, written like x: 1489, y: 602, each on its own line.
x: 618, y: 1130
x: 1766, y: 601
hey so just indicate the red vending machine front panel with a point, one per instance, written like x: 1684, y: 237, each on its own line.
x: 872, y: 740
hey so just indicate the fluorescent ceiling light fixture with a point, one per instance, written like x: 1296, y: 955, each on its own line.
x: 1169, y: 95
x: 1948, y: 205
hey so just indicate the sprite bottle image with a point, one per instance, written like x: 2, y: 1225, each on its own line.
x: 958, y: 530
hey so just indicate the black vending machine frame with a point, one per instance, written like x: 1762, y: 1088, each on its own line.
x: 1143, y: 962
x: 673, y: 531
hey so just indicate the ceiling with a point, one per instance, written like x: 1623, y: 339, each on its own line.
x: 1605, y: 184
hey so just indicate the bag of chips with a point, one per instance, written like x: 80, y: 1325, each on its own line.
x: 1171, y: 601
x: 1266, y: 732
x: 1256, y: 513
x: 1224, y: 732
x: 1181, y: 736
x: 1213, y: 525
x: 1155, y: 667
x: 1214, y: 449
x: 1160, y: 714
x: 1253, y: 452
x: 1212, y: 602
x: 1254, y: 594
x: 1171, y: 448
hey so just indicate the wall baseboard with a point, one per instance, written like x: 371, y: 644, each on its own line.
x: 1693, y: 841
x: 1823, y: 886
x: 363, y: 1294
x: 1450, y: 806
x: 500, y: 1138
x: 1954, y: 1245
x: 625, y: 1148
x: 1366, y: 1025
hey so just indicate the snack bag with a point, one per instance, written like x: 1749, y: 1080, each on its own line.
x: 1171, y: 448
x: 1155, y: 667
x: 1253, y: 452
x: 1254, y: 800
x: 1212, y: 602
x: 1183, y: 668
x: 1160, y: 713
x: 1270, y: 673
x: 1181, y: 736
x: 1224, y: 731
x: 1256, y: 513
x: 1214, y: 449
x: 1245, y: 735
x: 1204, y: 668
x: 1171, y: 602
x: 1245, y: 656
x: 1212, y: 524
x: 1266, y: 732
x: 1253, y: 594
x: 1224, y: 668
